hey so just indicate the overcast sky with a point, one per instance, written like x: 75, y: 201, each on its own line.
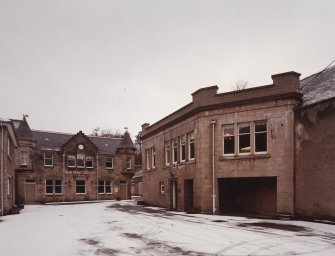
x: 79, y: 64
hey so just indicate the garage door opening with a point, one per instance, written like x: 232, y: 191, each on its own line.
x: 248, y: 196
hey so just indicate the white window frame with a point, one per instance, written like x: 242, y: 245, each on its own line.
x: 81, y: 157
x: 9, y: 183
x: 104, y: 187
x: 53, y: 185
x: 91, y: 160
x: 167, y: 149
x: 190, y: 141
x: 161, y: 188
x: 74, y: 159
x: 153, y: 157
x: 238, y: 138
x: 266, y: 134
x: 224, y: 136
x: 109, y: 159
x: 182, y: 144
x: 148, y: 158
x: 174, y: 151
x: 128, y: 163
x: 24, y: 159
x: 52, y: 159
x: 81, y: 186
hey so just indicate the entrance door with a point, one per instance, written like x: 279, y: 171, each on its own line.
x: 188, y: 194
x: 173, y: 194
x: 30, y: 191
x: 123, y: 190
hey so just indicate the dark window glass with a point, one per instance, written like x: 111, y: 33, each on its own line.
x: 49, y: 186
x: 80, y: 187
x: 108, y: 187
x: 89, y: 162
x: 101, y: 187
x: 244, y: 138
x: 71, y: 161
x: 109, y: 163
x: 48, y: 160
x: 58, y: 186
x: 229, y: 139
x: 260, y: 137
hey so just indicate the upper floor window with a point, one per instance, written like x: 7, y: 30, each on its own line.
x: 182, y: 150
x: 228, y: 139
x: 174, y: 151
x: 71, y: 161
x: 153, y: 157
x: 24, y: 158
x: 128, y: 163
x: 80, y: 160
x: 48, y: 159
x: 191, y: 146
x: 89, y: 161
x: 244, y: 138
x: 167, y: 153
x: 260, y: 137
x: 150, y: 155
x: 109, y: 162
x: 8, y: 147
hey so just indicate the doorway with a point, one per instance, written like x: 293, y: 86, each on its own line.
x: 173, y: 188
x: 188, y: 195
x: 30, y: 191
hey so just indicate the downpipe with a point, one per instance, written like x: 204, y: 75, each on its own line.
x: 1, y: 167
x: 213, y: 123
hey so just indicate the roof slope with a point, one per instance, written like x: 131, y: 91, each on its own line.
x: 106, y: 145
x: 22, y: 129
x: 317, y: 88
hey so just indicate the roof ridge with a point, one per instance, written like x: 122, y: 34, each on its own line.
x: 63, y: 133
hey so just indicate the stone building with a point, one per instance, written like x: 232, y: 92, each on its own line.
x: 8, y: 143
x: 315, y: 150
x: 53, y: 167
x: 235, y: 152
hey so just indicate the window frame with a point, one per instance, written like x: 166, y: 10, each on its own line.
x: 182, y: 148
x: 153, y: 157
x: 105, y: 184
x: 167, y: 149
x: 109, y: 159
x: 74, y: 159
x: 45, y: 158
x: 78, y: 193
x: 190, y: 142
x: 128, y: 163
x: 86, y: 161
x: 80, y: 158
x: 261, y: 132
x: 238, y: 137
x: 161, y: 188
x: 174, y: 143
x: 24, y: 158
x: 224, y: 136
x: 8, y: 148
x: 148, y: 158
x: 53, y: 186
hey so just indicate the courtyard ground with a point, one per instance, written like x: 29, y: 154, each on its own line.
x: 124, y: 228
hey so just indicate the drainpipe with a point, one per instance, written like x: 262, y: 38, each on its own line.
x: 63, y: 176
x: 97, y: 187
x: 2, y: 187
x: 213, y: 122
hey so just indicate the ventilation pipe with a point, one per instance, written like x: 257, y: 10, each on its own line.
x: 213, y: 123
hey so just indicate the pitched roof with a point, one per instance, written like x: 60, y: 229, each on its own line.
x: 55, y: 140
x: 22, y: 129
x: 318, y: 87
x: 126, y: 142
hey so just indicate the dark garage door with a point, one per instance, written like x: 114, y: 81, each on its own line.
x: 248, y: 196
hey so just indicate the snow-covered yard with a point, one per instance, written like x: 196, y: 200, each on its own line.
x: 123, y: 228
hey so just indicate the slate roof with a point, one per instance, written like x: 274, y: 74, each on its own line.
x: 126, y: 142
x: 22, y: 129
x: 54, y: 141
x: 317, y: 88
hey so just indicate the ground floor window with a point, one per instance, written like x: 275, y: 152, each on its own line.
x: 80, y: 187
x: 53, y: 187
x: 105, y: 187
x: 161, y: 188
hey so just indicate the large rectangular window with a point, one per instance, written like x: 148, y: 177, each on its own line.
x: 53, y: 187
x: 191, y: 146
x: 182, y: 148
x: 109, y: 162
x: 228, y: 140
x: 167, y: 152
x: 80, y: 160
x: 105, y: 187
x: 24, y: 158
x: 174, y: 151
x: 80, y: 187
x: 71, y: 161
x: 89, y: 161
x: 48, y: 159
x: 260, y: 137
x: 244, y: 138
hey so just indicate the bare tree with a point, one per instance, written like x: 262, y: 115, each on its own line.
x: 106, y: 133
x: 240, y: 85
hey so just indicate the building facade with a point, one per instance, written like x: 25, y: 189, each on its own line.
x: 8, y: 145
x: 225, y: 153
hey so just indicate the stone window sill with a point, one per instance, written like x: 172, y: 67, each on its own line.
x: 241, y: 157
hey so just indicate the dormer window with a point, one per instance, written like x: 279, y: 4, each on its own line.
x: 71, y: 161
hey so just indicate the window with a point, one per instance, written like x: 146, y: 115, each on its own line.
x: 128, y: 163
x: 244, y: 138
x: 228, y: 140
x: 182, y: 150
x: 260, y: 137
x: 8, y: 147
x: 167, y: 153
x: 80, y: 160
x: 71, y: 161
x: 48, y: 159
x: 53, y: 187
x: 148, y: 157
x: 89, y: 161
x: 9, y: 187
x: 153, y: 157
x: 109, y: 162
x: 24, y: 158
x: 191, y: 148
x: 80, y: 187
x: 161, y: 188
x: 174, y: 151
x: 105, y: 187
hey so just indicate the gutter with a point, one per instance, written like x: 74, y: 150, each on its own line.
x: 213, y: 123
x: 1, y: 170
